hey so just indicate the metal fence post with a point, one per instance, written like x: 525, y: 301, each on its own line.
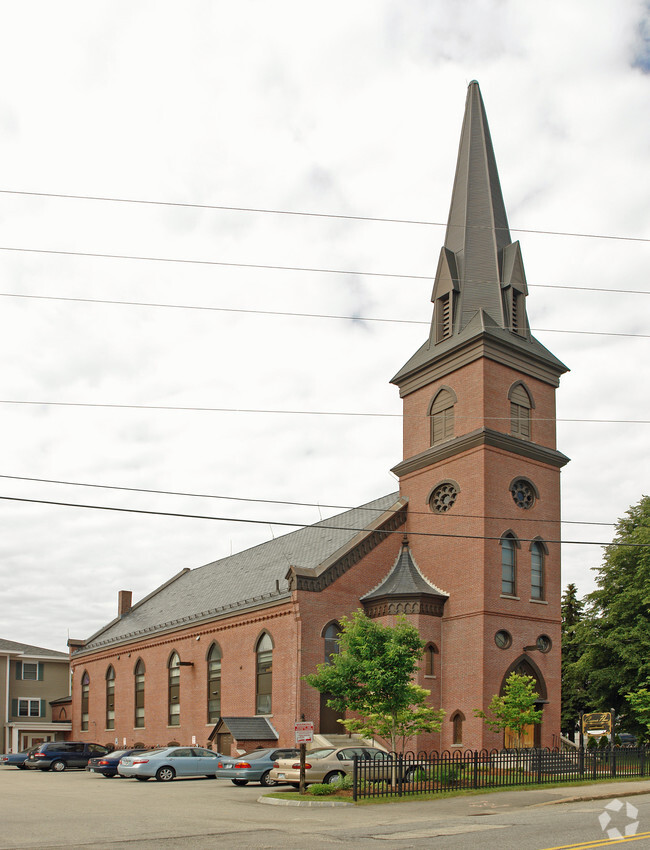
x: 355, y: 776
x: 475, y: 777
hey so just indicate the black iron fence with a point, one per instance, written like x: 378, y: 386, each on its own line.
x: 393, y: 774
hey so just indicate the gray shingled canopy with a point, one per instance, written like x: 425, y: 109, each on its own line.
x: 404, y: 579
x: 242, y: 580
x: 247, y: 728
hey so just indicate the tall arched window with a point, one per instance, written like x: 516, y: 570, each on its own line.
x: 430, y: 652
x: 174, y: 690
x: 110, y: 698
x: 537, y: 589
x: 138, y: 675
x: 264, y: 679
x: 457, y: 732
x: 509, y: 546
x: 85, y: 699
x: 214, y: 683
x: 521, y: 404
x: 442, y: 416
x: 331, y: 635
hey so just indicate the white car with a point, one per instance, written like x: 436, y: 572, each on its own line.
x: 169, y: 762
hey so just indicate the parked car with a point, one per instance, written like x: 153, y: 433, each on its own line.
x: 627, y: 739
x: 15, y: 759
x: 166, y: 763
x: 253, y: 767
x: 107, y: 765
x: 61, y: 755
x: 330, y: 764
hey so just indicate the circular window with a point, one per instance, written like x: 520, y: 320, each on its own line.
x: 443, y: 498
x: 543, y: 643
x: 503, y: 639
x: 522, y: 493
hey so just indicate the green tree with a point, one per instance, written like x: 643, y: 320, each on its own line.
x: 574, y: 680
x: 639, y: 702
x: 515, y: 709
x: 615, y: 660
x: 371, y: 675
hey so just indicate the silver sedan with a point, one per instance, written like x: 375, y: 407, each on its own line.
x: 169, y: 762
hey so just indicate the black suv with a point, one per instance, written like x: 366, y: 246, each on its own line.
x: 59, y: 755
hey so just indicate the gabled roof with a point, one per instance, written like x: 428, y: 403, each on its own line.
x: 12, y: 647
x: 248, y: 579
x: 246, y: 729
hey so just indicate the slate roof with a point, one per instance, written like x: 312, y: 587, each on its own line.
x: 12, y: 646
x: 248, y: 728
x: 404, y: 579
x: 243, y: 580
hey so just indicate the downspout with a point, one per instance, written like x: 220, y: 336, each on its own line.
x: 7, y: 704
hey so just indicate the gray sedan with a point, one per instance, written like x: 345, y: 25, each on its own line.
x: 169, y: 762
x: 252, y: 767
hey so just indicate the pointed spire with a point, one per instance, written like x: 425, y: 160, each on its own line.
x: 477, y: 235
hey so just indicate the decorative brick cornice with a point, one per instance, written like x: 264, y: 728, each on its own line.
x: 432, y: 606
x: 315, y: 581
x: 475, y: 439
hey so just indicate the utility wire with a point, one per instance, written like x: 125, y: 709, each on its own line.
x: 277, y: 501
x: 303, y: 412
x: 302, y: 525
x: 339, y: 216
x: 267, y: 266
x: 287, y: 314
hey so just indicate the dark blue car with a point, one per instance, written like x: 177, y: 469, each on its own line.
x: 16, y: 759
x: 107, y: 765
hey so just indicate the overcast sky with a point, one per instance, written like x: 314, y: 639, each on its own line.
x: 339, y: 108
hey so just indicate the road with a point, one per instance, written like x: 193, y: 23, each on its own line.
x: 76, y: 810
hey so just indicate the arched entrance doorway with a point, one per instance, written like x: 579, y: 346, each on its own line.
x: 532, y: 735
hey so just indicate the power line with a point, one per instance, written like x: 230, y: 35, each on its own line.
x: 322, y: 525
x: 300, y: 412
x: 289, y: 314
x: 339, y: 216
x: 149, y: 490
x: 269, y: 267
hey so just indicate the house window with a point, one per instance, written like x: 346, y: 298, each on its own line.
x: 29, y: 671
x: 214, y: 683
x: 85, y: 694
x: 442, y: 416
x: 174, y: 691
x: 138, y: 675
x: 508, y: 565
x: 536, y: 570
x: 457, y: 730
x: 430, y: 653
x: 520, y: 407
x: 331, y: 635
x: 264, y: 653
x: 29, y: 708
x: 110, y: 698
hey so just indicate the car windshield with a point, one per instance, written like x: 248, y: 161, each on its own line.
x: 320, y: 754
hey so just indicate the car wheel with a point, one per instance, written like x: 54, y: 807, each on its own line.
x: 142, y: 778
x: 165, y: 774
x: 333, y: 778
x: 266, y: 781
x: 239, y: 781
x: 57, y: 766
x: 108, y: 775
x: 210, y: 775
x: 409, y: 775
x: 21, y: 767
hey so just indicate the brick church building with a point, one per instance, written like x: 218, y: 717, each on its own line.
x: 467, y: 549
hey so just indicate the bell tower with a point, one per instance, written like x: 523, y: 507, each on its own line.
x: 481, y: 470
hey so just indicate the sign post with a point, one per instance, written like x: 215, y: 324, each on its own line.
x: 304, y: 735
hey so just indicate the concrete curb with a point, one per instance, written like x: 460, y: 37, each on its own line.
x: 587, y: 797
x: 275, y: 801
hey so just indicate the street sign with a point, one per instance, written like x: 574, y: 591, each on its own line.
x: 598, y: 721
x: 304, y: 732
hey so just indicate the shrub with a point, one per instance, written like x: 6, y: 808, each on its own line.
x: 322, y: 789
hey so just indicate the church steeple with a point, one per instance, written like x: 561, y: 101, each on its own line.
x: 480, y: 285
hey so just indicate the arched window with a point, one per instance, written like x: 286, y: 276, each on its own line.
x: 214, y: 683
x: 537, y: 552
x: 174, y: 690
x: 430, y: 652
x: 521, y: 404
x: 457, y: 731
x: 110, y: 698
x: 509, y: 546
x: 441, y: 412
x: 138, y: 675
x: 264, y: 653
x: 331, y: 635
x: 85, y: 698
